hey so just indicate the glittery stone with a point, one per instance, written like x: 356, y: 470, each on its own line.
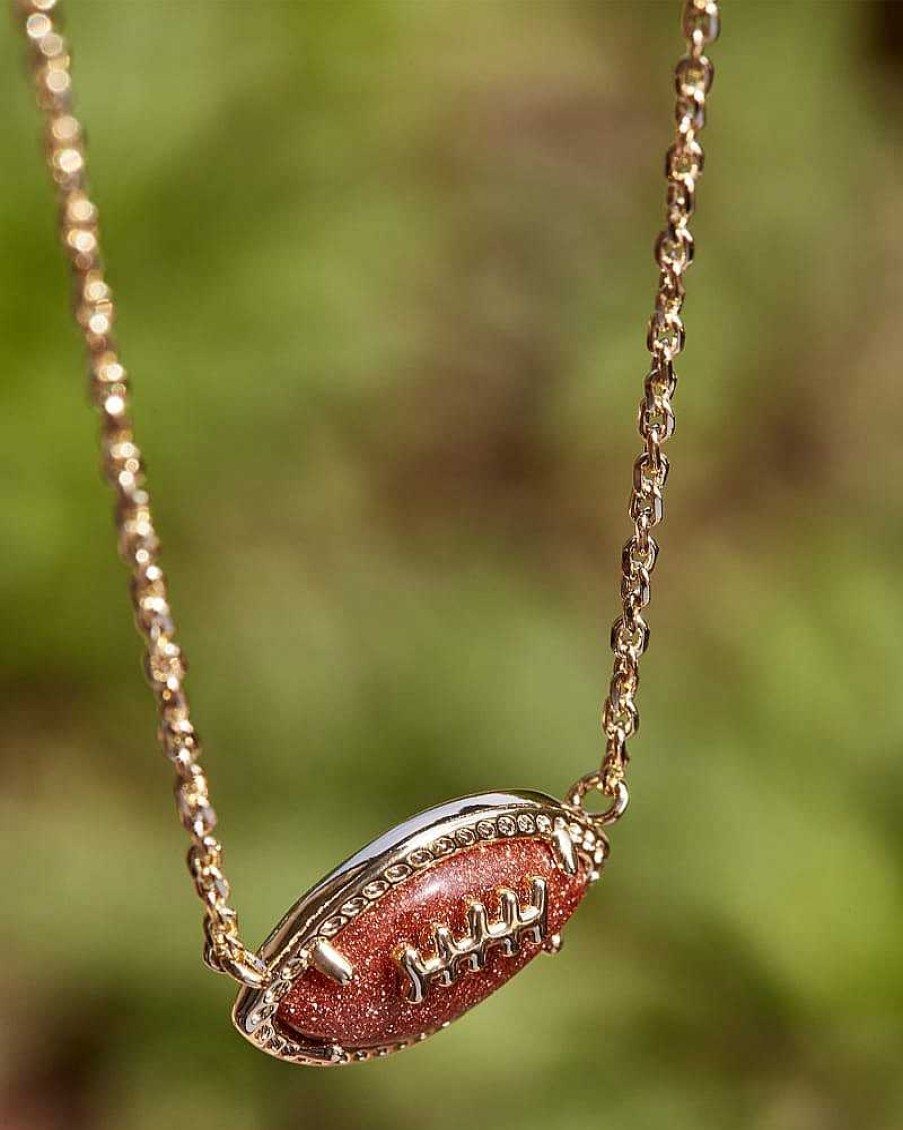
x: 373, y: 1008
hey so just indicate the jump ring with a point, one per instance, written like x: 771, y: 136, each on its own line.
x: 593, y: 782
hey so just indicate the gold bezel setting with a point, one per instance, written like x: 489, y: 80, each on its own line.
x: 310, y: 933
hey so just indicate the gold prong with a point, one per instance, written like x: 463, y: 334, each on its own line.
x: 564, y: 849
x: 508, y: 907
x: 445, y: 944
x: 478, y: 923
x: 331, y: 962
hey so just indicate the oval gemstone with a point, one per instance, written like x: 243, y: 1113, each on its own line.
x: 419, y: 926
x: 430, y: 919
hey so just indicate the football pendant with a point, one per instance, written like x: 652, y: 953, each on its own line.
x: 419, y: 926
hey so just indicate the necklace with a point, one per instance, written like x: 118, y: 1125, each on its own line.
x: 430, y: 918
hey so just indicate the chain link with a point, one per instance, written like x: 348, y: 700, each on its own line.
x: 664, y: 340
x: 164, y: 661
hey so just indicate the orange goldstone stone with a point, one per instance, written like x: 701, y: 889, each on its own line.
x: 373, y: 1008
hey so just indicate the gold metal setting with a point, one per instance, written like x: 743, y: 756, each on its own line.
x: 357, y: 885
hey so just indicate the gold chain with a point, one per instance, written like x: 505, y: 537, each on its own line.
x: 122, y: 466
x: 664, y: 339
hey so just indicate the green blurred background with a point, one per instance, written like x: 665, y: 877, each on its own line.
x: 383, y: 269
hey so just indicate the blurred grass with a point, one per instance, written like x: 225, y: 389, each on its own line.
x: 383, y: 270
